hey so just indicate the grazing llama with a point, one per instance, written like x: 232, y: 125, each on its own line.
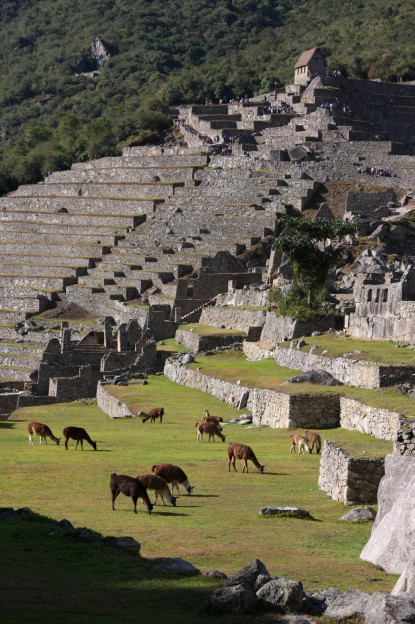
x: 212, y: 429
x: 313, y: 438
x: 78, y: 434
x: 241, y: 451
x: 156, y: 412
x: 174, y: 475
x: 301, y: 442
x: 130, y: 487
x: 160, y: 487
x: 42, y: 431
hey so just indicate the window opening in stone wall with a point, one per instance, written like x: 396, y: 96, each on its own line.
x: 377, y: 295
x: 189, y: 292
x: 369, y: 295
x: 385, y: 296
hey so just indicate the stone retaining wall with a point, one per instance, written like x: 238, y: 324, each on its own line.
x: 232, y: 318
x: 197, y: 343
x: 350, y: 372
x: 254, y: 351
x: 375, y: 421
x: 268, y: 407
x: 280, y: 328
x: 113, y: 407
x: 351, y: 481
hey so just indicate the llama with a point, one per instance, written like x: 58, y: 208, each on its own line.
x: 130, y: 487
x: 241, y: 451
x: 42, y: 431
x: 156, y: 412
x: 210, y: 428
x: 160, y: 487
x: 213, y: 419
x: 301, y: 442
x: 78, y: 434
x: 313, y: 438
x: 174, y: 475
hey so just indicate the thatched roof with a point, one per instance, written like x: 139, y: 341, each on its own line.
x: 306, y: 57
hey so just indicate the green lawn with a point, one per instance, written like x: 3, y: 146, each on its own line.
x: 209, y: 330
x: 232, y: 366
x: 380, y: 352
x: 217, y: 527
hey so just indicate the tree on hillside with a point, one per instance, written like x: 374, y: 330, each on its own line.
x: 313, y: 247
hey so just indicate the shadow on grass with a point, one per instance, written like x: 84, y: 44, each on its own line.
x: 167, y: 513
x: 204, y: 496
x: 6, y: 424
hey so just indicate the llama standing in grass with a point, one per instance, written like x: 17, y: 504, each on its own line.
x: 242, y: 451
x: 213, y: 419
x: 130, y: 487
x: 79, y: 434
x: 212, y: 429
x: 174, y: 475
x: 313, y: 438
x: 42, y: 431
x: 301, y: 442
x: 160, y: 487
x: 156, y: 412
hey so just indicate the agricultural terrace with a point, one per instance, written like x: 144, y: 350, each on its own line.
x: 219, y: 525
x: 232, y: 366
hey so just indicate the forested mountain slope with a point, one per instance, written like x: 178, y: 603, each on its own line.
x: 169, y: 51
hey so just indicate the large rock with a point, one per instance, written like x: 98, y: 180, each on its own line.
x: 359, y: 514
x: 405, y: 585
x: 177, y: 565
x: 248, y: 575
x: 282, y: 593
x: 350, y: 604
x: 316, y: 604
x: 386, y: 609
x: 316, y: 376
x: 236, y: 599
x: 392, y: 542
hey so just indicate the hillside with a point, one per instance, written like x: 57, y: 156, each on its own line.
x: 177, y: 51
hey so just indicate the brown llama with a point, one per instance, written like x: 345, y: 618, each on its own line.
x: 213, y: 419
x: 42, y: 431
x: 160, y: 487
x: 78, y: 434
x: 301, y: 442
x: 313, y: 438
x: 130, y: 487
x: 212, y: 429
x: 156, y: 412
x: 241, y: 451
x: 174, y: 475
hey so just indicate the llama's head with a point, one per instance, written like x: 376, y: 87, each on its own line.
x: 261, y: 469
x: 190, y: 489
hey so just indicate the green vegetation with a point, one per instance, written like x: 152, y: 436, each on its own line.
x: 166, y: 52
x: 233, y: 366
x: 217, y: 527
x: 386, y: 353
x: 312, y: 252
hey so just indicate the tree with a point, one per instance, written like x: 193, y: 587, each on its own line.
x: 313, y: 247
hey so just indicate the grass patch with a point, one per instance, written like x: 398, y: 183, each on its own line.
x: 217, y: 527
x: 209, y: 330
x: 384, y: 353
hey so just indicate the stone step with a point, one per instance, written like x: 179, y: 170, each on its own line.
x: 82, y: 205
x: 18, y: 373
x: 26, y: 236
x: 24, y: 349
x: 38, y: 338
x: 54, y: 248
x: 48, y: 260
x: 136, y: 190
x: 34, y: 281
x: 105, y: 232
x: 31, y: 304
x: 72, y: 218
x: 184, y: 173
x: 23, y: 269
x: 130, y: 159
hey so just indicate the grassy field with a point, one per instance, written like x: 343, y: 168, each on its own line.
x: 379, y: 352
x: 232, y: 366
x: 209, y: 330
x: 217, y: 527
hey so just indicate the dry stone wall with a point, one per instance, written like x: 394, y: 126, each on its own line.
x: 280, y: 328
x: 232, y: 318
x: 348, y: 371
x: 351, y: 481
x: 196, y: 343
x: 375, y: 421
x: 113, y: 407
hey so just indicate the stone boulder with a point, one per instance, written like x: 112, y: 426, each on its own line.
x: 289, y: 512
x: 248, y: 575
x: 316, y: 376
x: 392, y: 542
x: 216, y: 574
x: 281, y: 593
x: 350, y: 604
x: 317, y: 603
x: 386, y: 609
x: 405, y: 585
x: 177, y: 565
x: 295, y: 619
x: 359, y: 514
x: 237, y: 599
x: 128, y: 544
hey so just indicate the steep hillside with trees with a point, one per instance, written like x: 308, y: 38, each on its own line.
x: 53, y: 112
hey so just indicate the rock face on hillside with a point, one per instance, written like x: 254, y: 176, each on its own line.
x: 392, y: 543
